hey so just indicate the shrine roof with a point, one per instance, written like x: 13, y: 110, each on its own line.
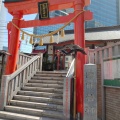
x: 89, y: 36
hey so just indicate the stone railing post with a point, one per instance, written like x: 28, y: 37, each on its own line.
x: 4, y: 92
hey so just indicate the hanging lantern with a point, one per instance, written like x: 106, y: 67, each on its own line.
x: 41, y: 42
x: 62, y: 33
x: 51, y: 39
x: 22, y: 38
x: 31, y: 40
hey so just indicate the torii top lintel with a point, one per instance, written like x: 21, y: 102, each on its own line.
x: 31, y: 6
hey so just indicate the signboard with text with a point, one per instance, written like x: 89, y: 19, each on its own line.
x: 43, y: 10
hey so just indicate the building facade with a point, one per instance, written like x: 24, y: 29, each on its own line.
x: 47, y: 29
x: 2, y: 25
x: 118, y: 3
x: 106, y: 13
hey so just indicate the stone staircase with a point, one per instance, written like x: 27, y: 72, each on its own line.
x: 40, y: 99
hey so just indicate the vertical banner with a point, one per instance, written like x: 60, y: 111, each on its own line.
x: 90, y: 92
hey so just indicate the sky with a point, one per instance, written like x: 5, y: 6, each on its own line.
x: 25, y: 46
x: 25, y: 17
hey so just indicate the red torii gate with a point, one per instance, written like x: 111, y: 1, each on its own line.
x: 18, y: 9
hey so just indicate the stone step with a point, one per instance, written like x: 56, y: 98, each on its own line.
x: 35, y: 112
x: 44, y: 85
x: 4, y: 119
x: 50, y: 75
x: 34, y: 105
x: 48, y: 78
x: 15, y: 116
x: 40, y: 94
x: 38, y: 99
x: 39, y: 89
x: 46, y: 81
x: 52, y: 72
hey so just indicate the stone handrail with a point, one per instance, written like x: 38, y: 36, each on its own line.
x: 23, y: 59
x: 12, y: 83
x: 71, y: 69
x: 67, y: 91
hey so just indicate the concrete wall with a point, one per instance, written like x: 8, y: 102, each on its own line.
x: 99, y: 94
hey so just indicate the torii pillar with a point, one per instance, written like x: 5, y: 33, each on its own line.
x: 14, y: 43
x: 79, y: 31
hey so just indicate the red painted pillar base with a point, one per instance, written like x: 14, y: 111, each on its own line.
x: 80, y: 58
x: 13, y: 45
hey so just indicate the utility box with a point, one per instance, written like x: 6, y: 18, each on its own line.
x: 90, y: 92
